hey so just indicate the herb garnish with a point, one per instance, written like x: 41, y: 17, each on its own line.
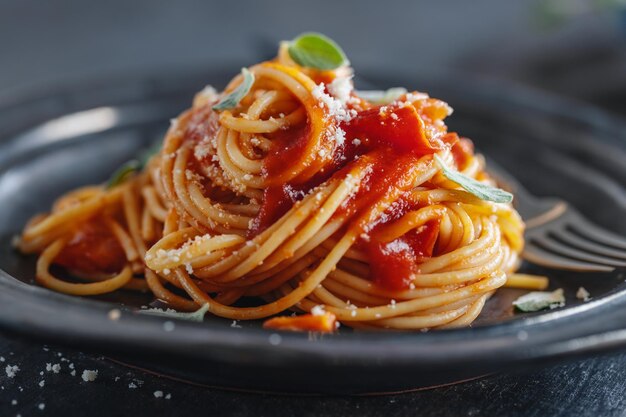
x: 197, y: 315
x: 315, y: 50
x: 479, y: 189
x: 235, y: 96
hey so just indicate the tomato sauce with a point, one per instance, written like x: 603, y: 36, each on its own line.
x: 92, y: 248
x: 390, y: 139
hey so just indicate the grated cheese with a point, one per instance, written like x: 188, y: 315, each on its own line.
x: 341, y: 88
x: 318, y: 310
x: 583, y: 294
x: 11, y: 370
x: 89, y: 375
x: 337, y: 109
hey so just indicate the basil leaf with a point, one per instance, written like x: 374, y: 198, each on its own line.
x: 382, y: 96
x: 538, y: 300
x: 232, y: 99
x: 197, y: 315
x: 315, y: 50
x: 123, y: 173
x: 128, y: 168
x: 479, y: 189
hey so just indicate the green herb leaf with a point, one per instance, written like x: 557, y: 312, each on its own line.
x: 127, y: 169
x: 538, y: 300
x: 197, y: 315
x: 232, y: 99
x: 123, y: 173
x: 479, y: 189
x: 315, y: 50
x: 382, y: 96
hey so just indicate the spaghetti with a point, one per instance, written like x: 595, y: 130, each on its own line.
x: 304, y: 196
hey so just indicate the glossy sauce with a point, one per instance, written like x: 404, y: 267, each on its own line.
x: 92, y: 249
x: 390, y: 139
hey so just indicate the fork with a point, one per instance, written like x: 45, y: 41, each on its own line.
x: 558, y: 236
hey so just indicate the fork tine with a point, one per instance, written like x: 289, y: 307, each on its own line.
x: 575, y: 240
x: 585, y: 228
x: 540, y: 256
x: 570, y: 252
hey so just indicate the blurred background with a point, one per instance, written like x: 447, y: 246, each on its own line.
x: 572, y: 47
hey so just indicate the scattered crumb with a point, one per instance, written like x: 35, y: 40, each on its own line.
x: 132, y: 385
x: 42, y: 383
x: 71, y: 365
x: 168, y: 326
x: 117, y: 378
x: 115, y: 314
x: 41, y: 406
x: 89, y: 376
x: 56, y: 368
x: 13, y: 402
x: 583, y: 294
x: 318, y: 310
x: 1, y: 358
x: 12, y: 370
x: 158, y: 394
x: 73, y: 373
x: 235, y: 325
x: 168, y: 396
x: 275, y: 339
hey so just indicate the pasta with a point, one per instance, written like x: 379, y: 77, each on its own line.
x: 299, y: 195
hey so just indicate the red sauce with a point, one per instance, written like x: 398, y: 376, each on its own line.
x: 390, y: 140
x: 92, y: 249
x: 393, y: 263
x: 399, y: 128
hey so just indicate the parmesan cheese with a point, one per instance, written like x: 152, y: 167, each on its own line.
x: 341, y: 88
x: 89, y: 375
x: 318, y: 310
x: 11, y: 370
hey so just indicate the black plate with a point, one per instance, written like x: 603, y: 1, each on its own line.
x: 54, y: 141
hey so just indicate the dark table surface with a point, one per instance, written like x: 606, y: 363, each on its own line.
x: 590, y: 387
x: 45, y: 43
